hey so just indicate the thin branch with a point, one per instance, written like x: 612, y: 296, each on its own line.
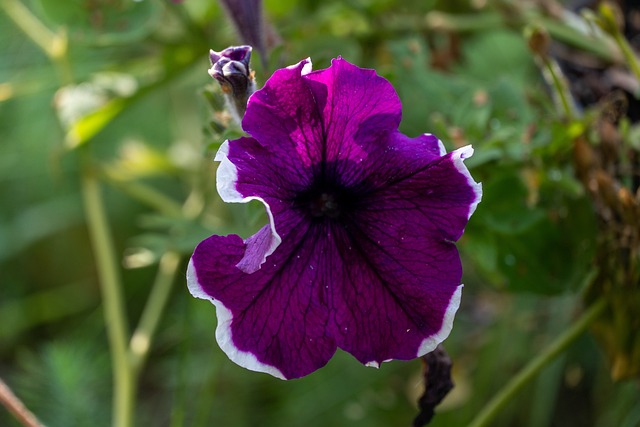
x: 141, y: 339
x: 111, y: 289
x: 16, y: 407
x: 533, y: 368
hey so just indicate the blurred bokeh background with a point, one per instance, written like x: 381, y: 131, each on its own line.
x: 111, y: 99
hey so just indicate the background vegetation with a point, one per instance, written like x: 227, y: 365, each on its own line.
x: 108, y: 127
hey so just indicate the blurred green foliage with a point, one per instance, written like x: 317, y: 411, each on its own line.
x: 133, y: 91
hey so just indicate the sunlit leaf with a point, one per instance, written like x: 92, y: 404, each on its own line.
x: 88, y: 126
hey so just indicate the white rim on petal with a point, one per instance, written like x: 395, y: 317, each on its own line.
x: 429, y: 344
x: 458, y: 157
x: 374, y: 364
x: 306, y: 67
x: 223, y: 330
x: 227, y: 177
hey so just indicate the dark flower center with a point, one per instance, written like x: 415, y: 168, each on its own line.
x: 326, y: 201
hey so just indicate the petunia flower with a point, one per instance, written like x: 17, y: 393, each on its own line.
x: 359, y: 252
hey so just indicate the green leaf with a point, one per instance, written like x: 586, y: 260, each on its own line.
x: 500, y: 49
x: 550, y: 255
x: 88, y: 126
x: 506, y: 209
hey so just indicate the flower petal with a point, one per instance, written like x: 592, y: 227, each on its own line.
x: 393, y: 157
x: 407, y: 292
x: 419, y: 191
x: 398, y: 249
x: 263, y: 243
x: 357, y: 105
x: 283, y: 117
x: 273, y: 320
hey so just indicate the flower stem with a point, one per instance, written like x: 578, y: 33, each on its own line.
x: 145, y: 194
x: 560, y: 344
x: 560, y: 84
x: 39, y: 33
x: 16, y: 407
x: 111, y: 289
x: 141, y: 339
x: 609, y: 19
x: 629, y: 54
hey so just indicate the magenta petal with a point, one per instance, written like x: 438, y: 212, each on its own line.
x: 406, y: 299
x: 398, y: 251
x: 283, y: 116
x: 358, y: 107
x: 273, y: 320
x: 249, y: 171
x: 423, y: 194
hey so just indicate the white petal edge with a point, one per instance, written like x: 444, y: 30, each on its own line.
x: 374, y: 364
x: 458, y: 157
x: 226, y: 179
x: 307, y: 67
x: 429, y: 344
x: 223, y: 330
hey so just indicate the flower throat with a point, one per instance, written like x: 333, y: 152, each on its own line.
x: 325, y: 201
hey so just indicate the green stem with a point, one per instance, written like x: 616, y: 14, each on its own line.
x: 141, y: 339
x: 560, y: 84
x: 55, y: 46
x: 602, y: 47
x: 608, y: 19
x: 629, y: 54
x: 111, y: 289
x: 145, y: 194
x: 39, y: 33
x: 560, y: 344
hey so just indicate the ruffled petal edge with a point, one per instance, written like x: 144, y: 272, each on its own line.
x: 430, y: 343
x: 223, y: 330
x: 226, y: 179
x: 458, y: 156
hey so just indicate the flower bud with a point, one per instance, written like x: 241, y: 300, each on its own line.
x: 538, y: 40
x: 230, y: 68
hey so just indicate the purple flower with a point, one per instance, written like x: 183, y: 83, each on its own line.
x: 359, y: 251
